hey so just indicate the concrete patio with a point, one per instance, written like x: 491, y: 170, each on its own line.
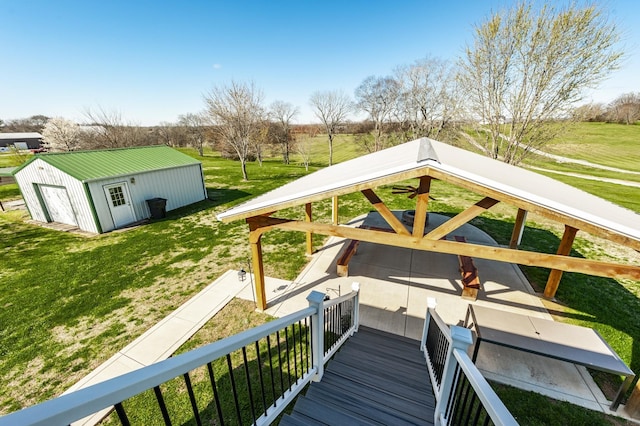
x: 395, y: 284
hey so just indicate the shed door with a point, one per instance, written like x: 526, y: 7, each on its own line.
x: 58, y: 204
x: 119, y: 202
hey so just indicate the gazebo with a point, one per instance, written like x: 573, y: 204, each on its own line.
x: 425, y: 160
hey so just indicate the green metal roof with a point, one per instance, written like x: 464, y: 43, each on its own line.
x: 98, y: 164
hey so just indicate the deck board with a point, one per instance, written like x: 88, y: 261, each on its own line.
x: 376, y: 378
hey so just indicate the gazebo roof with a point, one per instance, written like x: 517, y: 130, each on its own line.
x: 520, y: 187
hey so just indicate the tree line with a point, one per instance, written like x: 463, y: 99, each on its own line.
x: 513, y: 89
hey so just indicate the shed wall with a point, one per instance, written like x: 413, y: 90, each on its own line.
x: 180, y: 186
x: 39, y: 172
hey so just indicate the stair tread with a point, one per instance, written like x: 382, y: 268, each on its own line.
x: 364, y: 406
x: 329, y: 414
x: 375, y: 378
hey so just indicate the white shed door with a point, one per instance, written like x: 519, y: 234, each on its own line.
x: 119, y: 202
x: 58, y: 204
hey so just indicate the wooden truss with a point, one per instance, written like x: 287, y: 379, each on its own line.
x: 261, y: 222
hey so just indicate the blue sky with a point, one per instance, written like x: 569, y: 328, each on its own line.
x: 154, y: 60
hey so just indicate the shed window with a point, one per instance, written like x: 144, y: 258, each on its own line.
x: 117, y: 197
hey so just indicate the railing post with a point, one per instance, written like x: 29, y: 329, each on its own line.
x: 315, y: 299
x: 355, y: 286
x: 460, y: 339
x: 431, y: 304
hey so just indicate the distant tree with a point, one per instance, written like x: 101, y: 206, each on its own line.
x: 332, y: 109
x: 304, y: 145
x: 60, y: 134
x: 625, y: 108
x: 195, y: 129
x: 589, y: 112
x: 109, y: 130
x: 377, y: 96
x: 527, y: 68
x: 281, y: 114
x: 237, y: 113
x: 171, y: 134
x: 35, y: 123
x: 429, y: 98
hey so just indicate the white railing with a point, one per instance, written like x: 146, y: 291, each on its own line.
x: 309, y: 365
x: 463, y: 395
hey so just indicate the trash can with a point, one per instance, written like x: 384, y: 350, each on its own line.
x: 157, y: 207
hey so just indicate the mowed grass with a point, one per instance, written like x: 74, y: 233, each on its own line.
x: 70, y: 302
x: 608, y: 144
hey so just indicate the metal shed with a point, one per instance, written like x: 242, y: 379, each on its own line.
x: 102, y: 190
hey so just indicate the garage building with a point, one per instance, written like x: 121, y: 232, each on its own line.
x: 102, y: 190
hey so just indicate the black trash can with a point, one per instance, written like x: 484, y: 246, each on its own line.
x: 157, y: 207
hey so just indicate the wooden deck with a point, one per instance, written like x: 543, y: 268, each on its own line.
x: 376, y: 378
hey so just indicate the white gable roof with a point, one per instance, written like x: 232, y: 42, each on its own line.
x: 423, y: 153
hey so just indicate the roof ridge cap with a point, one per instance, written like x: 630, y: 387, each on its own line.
x: 426, y: 151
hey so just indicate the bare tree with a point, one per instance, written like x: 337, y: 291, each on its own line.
x: 282, y: 113
x: 625, y: 108
x: 429, y: 98
x: 194, y: 126
x: 171, y: 134
x: 331, y: 108
x: 110, y: 130
x: 237, y: 113
x: 527, y: 68
x: 377, y: 97
x: 35, y: 123
x: 60, y: 134
x: 589, y: 112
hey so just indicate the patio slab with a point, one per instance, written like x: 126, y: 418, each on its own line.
x: 395, y: 284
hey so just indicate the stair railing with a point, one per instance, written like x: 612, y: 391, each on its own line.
x: 463, y: 396
x: 252, y: 376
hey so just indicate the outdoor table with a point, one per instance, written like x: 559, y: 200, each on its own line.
x: 566, y: 342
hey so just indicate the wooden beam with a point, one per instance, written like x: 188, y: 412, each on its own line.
x: 518, y: 229
x: 422, y: 204
x: 460, y: 219
x: 554, y: 215
x: 335, y: 219
x: 344, y: 190
x: 564, y: 263
x: 308, y: 218
x: 384, y: 211
x: 564, y: 250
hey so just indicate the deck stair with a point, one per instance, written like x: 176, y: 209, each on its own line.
x: 376, y: 378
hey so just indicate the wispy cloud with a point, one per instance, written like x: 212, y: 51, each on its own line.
x: 217, y: 66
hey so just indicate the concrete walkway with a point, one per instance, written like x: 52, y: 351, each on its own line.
x: 164, y: 338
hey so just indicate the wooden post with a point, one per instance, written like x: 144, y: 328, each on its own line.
x: 335, y: 219
x: 308, y: 218
x: 518, y: 229
x: 632, y: 407
x: 422, y: 204
x: 564, y: 249
x: 255, y: 236
x: 258, y: 272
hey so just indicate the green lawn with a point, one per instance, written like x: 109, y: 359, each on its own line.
x: 70, y: 302
x: 609, y: 144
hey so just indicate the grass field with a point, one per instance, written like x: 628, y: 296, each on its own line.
x: 608, y: 144
x: 70, y: 302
